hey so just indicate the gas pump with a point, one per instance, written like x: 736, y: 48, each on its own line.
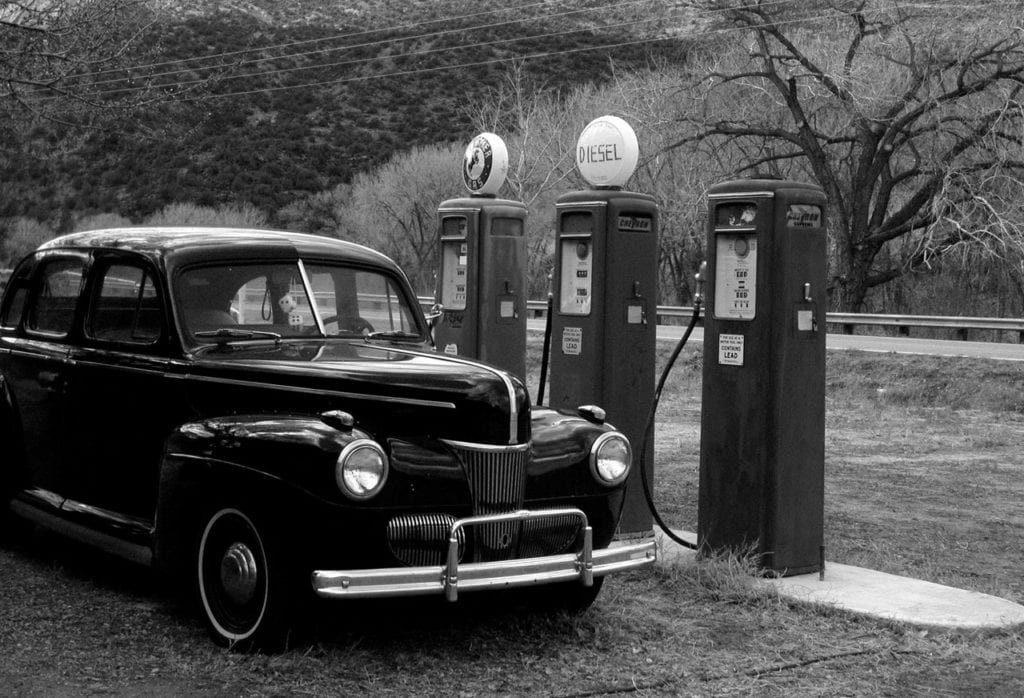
x: 482, y: 281
x: 604, y: 312
x: 763, y: 407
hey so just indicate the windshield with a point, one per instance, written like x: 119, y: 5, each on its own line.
x: 289, y: 299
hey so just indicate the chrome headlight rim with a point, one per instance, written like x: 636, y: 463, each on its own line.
x: 600, y: 443
x: 343, y: 467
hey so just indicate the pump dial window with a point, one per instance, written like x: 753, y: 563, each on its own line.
x: 453, y: 226
x: 736, y: 214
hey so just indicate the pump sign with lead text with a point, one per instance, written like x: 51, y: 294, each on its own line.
x: 730, y: 349
x: 572, y: 341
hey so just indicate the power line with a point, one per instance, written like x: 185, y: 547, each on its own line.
x: 477, y: 64
x: 281, y: 71
x: 340, y: 37
x: 185, y: 84
x: 407, y: 54
x: 370, y: 44
x: 456, y: 66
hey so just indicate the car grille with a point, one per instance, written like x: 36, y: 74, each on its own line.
x: 419, y: 540
x: 548, y: 536
x: 497, y: 477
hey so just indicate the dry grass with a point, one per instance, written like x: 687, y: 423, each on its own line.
x: 923, y: 479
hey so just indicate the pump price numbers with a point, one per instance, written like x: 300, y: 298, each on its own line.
x: 453, y: 282
x: 576, y: 283
x: 735, y: 281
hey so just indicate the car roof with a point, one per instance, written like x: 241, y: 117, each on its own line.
x: 177, y: 245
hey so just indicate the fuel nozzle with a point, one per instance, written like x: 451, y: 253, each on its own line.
x: 700, y: 277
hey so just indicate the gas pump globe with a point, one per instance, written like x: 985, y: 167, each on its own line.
x: 604, y: 315
x: 481, y: 284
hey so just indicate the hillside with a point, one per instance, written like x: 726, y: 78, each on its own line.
x: 346, y: 89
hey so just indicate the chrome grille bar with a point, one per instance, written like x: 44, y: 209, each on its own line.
x: 422, y: 539
x: 497, y: 480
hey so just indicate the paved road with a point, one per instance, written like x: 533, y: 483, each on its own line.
x: 898, y: 345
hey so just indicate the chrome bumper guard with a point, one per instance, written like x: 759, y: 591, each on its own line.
x: 452, y: 577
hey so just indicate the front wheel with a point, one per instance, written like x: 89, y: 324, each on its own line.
x: 239, y: 583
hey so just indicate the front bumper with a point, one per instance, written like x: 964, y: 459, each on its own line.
x: 451, y: 578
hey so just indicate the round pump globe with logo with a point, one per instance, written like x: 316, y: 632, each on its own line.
x: 607, y: 152
x: 485, y: 165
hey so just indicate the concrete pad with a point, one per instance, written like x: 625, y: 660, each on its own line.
x: 879, y: 594
x: 902, y: 599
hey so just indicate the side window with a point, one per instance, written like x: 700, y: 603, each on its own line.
x: 126, y: 308
x: 13, y: 304
x: 358, y: 301
x: 59, y: 286
x: 19, y: 283
x: 381, y: 304
x: 327, y: 300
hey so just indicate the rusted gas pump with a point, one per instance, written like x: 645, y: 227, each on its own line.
x: 482, y: 278
x: 604, y: 311
x: 763, y: 394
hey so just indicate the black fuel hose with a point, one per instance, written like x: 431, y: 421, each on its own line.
x: 546, y: 350
x: 650, y: 426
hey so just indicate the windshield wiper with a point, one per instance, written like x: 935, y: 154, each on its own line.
x: 394, y: 335
x: 228, y: 334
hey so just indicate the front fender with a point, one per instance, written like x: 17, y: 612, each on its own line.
x: 278, y: 463
x: 560, y: 454
x: 300, y: 449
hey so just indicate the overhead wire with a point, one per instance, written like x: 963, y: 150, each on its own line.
x: 182, y: 85
x: 370, y: 59
x: 408, y: 38
x: 368, y: 44
x: 526, y: 57
x: 371, y: 44
x: 454, y: 66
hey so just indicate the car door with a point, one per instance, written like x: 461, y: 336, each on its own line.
x: 37, y: 324
x: 122, y: 394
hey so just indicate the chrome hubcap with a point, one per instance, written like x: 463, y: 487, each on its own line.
x: 238, y: 573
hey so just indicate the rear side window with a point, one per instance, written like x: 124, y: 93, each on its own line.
x: 14, y: 306
x: 18, y: 286
x: 60, y: 283
x: 126, y: 307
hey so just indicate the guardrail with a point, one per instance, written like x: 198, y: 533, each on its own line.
x: 845, y: 323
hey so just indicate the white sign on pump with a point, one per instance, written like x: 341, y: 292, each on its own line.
x: 485, y: 164
x: 607, y: 152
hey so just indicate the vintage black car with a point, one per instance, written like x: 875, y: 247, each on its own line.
x: 261, y: 415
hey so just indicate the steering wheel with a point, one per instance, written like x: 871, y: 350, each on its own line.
x: 356, y: 324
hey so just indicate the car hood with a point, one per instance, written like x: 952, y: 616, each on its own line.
x: 380, y: 385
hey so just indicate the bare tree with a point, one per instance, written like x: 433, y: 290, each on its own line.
x: 61, y: 55
x: 909, y: 114
x: 394, y: 208
x: 540, y: 129
x: 24, y: 235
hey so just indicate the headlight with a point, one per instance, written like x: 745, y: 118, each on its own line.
x: 610, y: 458
x: 361, y: 469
